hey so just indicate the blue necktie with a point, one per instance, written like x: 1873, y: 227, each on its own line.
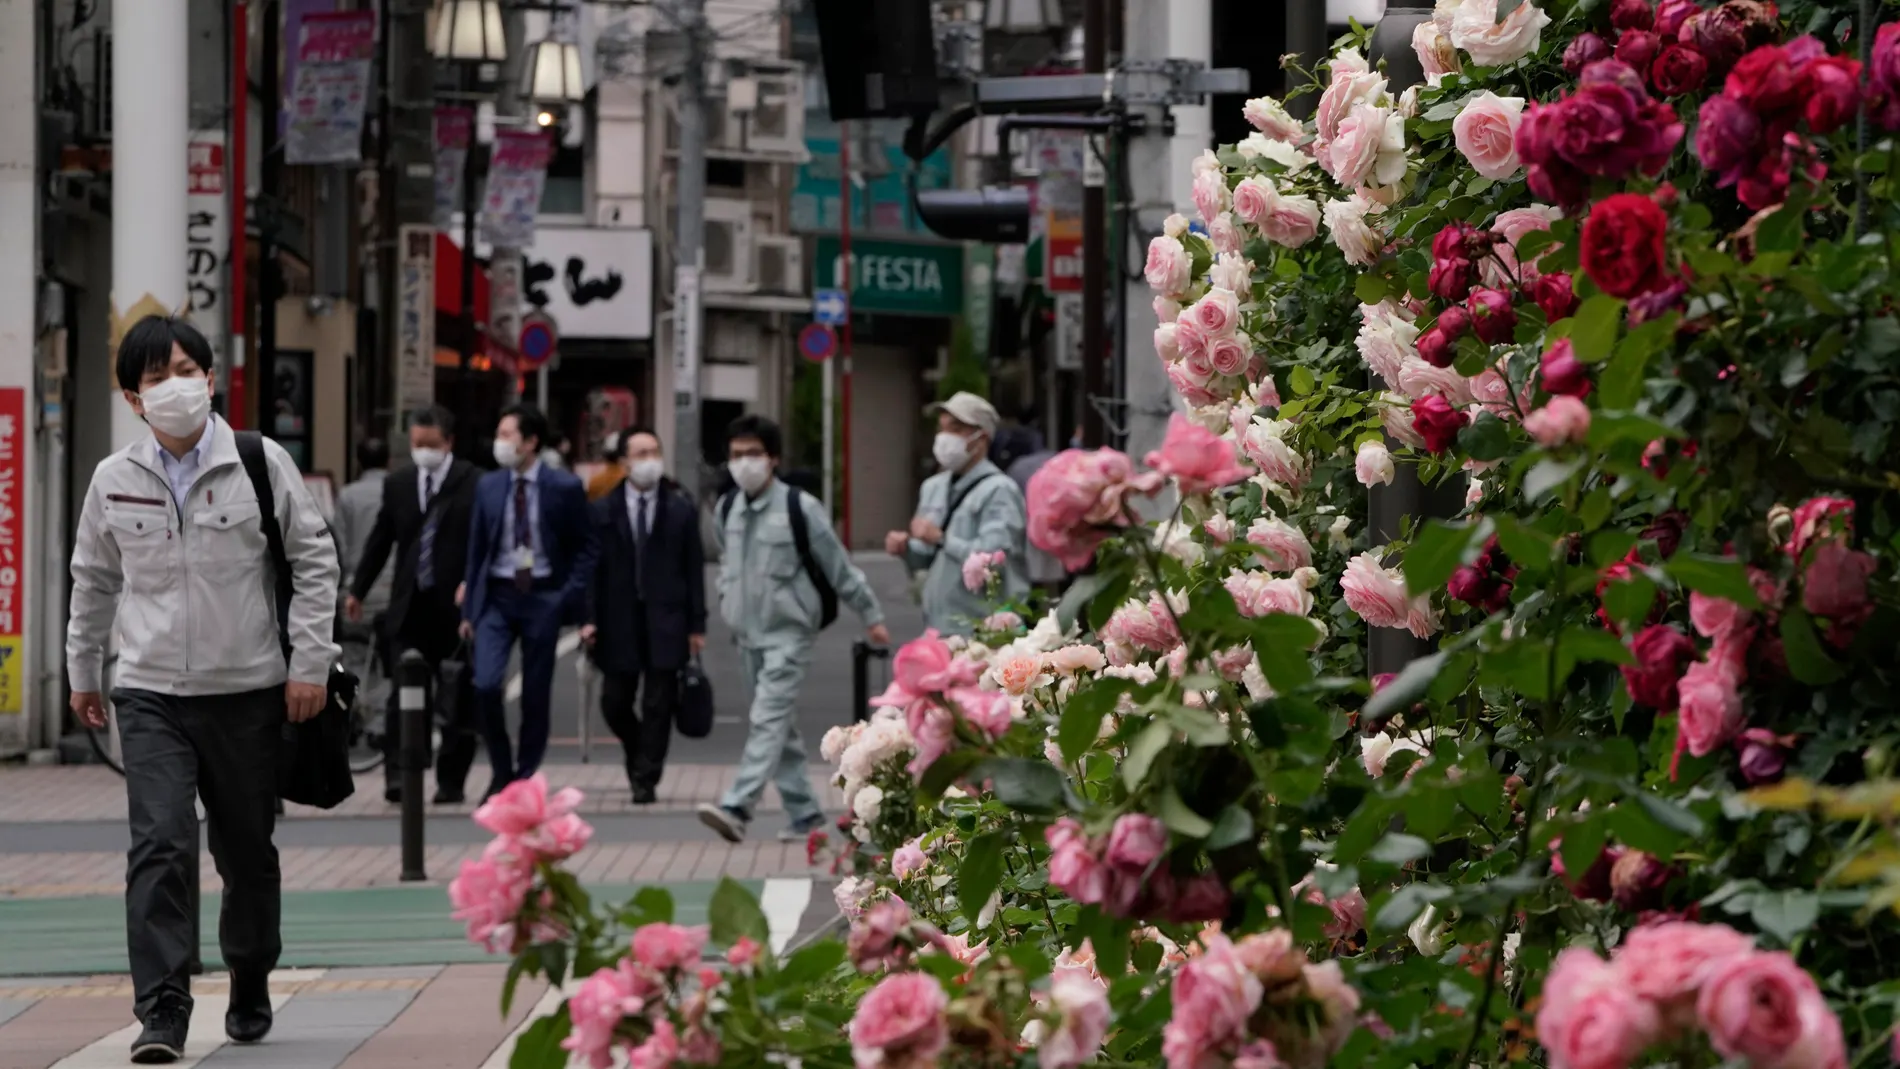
x: 425, y: 553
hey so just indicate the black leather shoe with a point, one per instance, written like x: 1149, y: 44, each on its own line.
x: 644, y: 796
x: 392, y: 795
x: 249, y: 1017
x: 443, y: 797
x: 162, y: 1041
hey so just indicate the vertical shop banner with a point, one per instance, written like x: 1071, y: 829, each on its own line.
x: 517, y: 174
x: 452, y: 129
x: 415, y: 317
x: 13, y: 666
x: 978, y: 297
x: 327, y: 99
x: 207, y: 240
x: 504, y: 299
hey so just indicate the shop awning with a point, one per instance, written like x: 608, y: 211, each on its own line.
x: 448, y: 281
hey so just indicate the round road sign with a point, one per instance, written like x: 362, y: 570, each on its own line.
x: 537, y: 341
x: 817, y: 342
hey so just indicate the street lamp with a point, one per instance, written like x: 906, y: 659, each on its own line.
x: 470, y: 31
x: 552, y: 74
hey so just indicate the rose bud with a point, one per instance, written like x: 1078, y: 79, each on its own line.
x: 1594, y: 884
x: 1451, y: 278
x: 1437, y: 422
x: 1638, y: 48
x: 1436, y: 348
x: 1454, y: 322
x: 1764, y: 755
x: 1584, y: 49
x: 1562, y: 373
x: 1717, y: 35
x: 1632, y: 15
x: 1556, y: 295
x: 1678, y: 69
x: 1492, y: 315
x: 1666, y: 531
x: 1469, y: 585
x: 1637, y: 881
x: 1670, y: 15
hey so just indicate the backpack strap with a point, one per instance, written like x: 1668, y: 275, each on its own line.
x: 250, y: 447
x: 801, y: 541
x: 725, y: 505
x: 957, y: 501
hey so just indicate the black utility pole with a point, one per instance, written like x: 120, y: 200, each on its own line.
x: 465, y: 387
x: 1095, y: 251
x: 270, y: 190
x: 408, y: 191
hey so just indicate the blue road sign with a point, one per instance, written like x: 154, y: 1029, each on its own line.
x: 830, y: 307
x: 817, y: 342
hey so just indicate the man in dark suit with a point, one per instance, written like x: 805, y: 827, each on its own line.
x: 646, y: 611
x: 530, y: 562
x: 424, y: 519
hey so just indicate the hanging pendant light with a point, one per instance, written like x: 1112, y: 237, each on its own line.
x: 469, y: 31
x: 552, y: 74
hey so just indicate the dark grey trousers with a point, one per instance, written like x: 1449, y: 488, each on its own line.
x: 221, y: 748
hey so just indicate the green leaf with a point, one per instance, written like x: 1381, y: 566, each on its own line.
x: 1179, y: 818
x: 811, y: 964
x: 1781, y: 232
x: 1404, y: 691
x: 1397, y: 848
x: 1485, y: 438
x: 981, y: 871
x: 1143, y: 750
x: 1370, y: 289
x: 735, y: 913
x: 1609, y: 428
x: 1023, y: 784
x: 1281, y: 642
x: 1234, y: 827
x: 947, y: 770
x: 650, y: 905
x: 1436, y: 552
x: 1406, y: 904
x: 1524, y: 544
x: 1547, y: 475
x: 1610, y: 545
x: 1082, y: 716
x: 1622, y: 379
x: 1807, y: 660
x: 1080, y: 593
x: 1634, y: 827
x: 1671, y: 815
x: 1300, y: 380
x: 540, y: 1046
x: 1592, y: 644
x: 1718, y: 577
x: 1629, y: 602
x: 1533, y: 243
x: 1582, y: 842
x: 1594, y: 332
x: 1785, y: 914
x: 515, y: 970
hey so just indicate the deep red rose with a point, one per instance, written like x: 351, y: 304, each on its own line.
x: 1594, y: 884
x: 1556, y: 294
x: 1763, y: 755
x: 1469, y: 584
x: 1728, y: 139
x: 1671, y: 14
x: 1638, y: 48
x: 1452, y: 279
x: 1883, y: 77
x: 1437, y: 348
x: 1678, y: 69
x: 1609, y: 128
x: 1492, y: 315
x: 1562, y: 373
x: 1200, y: 899
x: 1437, y: 422
x: 1666, y: 531
x: 1637, y: 881
x: 1661, y: 653
x: 1584, y: 49
x: 1454, y: 321
x: 1632, y: 15
x: 1760, y: 20
x: 1833, y: 93
x: 1716, y: 34
x: 1622, y: 247
x: 1767, y: 82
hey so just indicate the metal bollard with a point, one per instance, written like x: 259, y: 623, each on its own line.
x: 861, y: 654
x: 412, y: 676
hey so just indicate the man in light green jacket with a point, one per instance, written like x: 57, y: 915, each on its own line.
x: 970, y: 507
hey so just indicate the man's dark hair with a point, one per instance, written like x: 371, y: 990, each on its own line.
x: 531, y: 423
x: 626, y: 436
x: 372, y: 453
x: 434, y: 416
x: 766, y: 431
x: 148, y: 347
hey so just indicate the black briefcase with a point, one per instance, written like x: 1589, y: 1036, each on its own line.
x: 313, y: 765
x: 694, y: 714
x: 455, y: 693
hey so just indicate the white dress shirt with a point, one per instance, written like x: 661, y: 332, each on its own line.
x: 504, y: 567
x: 182, y: 472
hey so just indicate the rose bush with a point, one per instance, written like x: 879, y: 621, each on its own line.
x: 1617, y: 283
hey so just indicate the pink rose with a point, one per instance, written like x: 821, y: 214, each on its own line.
x: 1217, y: 314
x: 1562, y: 421
x: 488, y: 897
x: 1225, y: 234
x: 1211, y: 196
x: 1493, y: 317
x: 1350, y: 85
x: 559, y: 838
x: 598, y: 1006
x: 979, y: 568
x: 1835, y: 585
x: 1072, y: 659
x: 1373, y: 464
x: 1214, y: 995
x: 908, y: 860
x: 744, y: 953
x: 1590, y: 1019
x: 1002, y: 621
x: 1018, y: 674
x: 1282, y: 546
x: 1167, y: 309
x: 1170, y: 269
x: 1716, y: 617
x: 1073, y: 867
x: 1082, y: 1008
x: 660, y: 1050
x: 1266, y: 446
x: 1189, y: 338
x: 1818, y: 518
x: 1253, y: 198
x: 1486, y: 134
x: 525, y: 805
x: 988, y: 711
x: 1492, y: 42
x: 1291, y: 221
x: 1711, y: 708
x: 1167, y: 343
x: 1765, y: 1009
x: 1660, y: 652
x: 923, y: 666
x: 1338, y: 1011
x: 1511, y: 227
x: 1435, y: 51
x: 900, y: 1024
x: 1136, y: 842
x: 1271, y: 118
x: 1259, y: 594
x: 1198, y: 459
x: 873, y: 942
x: 1358, y: 240
x: 1379, y: 596
x: 1077, y: 496
x: 1666, y: 963
x: 1227, y: 356
x: 1562, y: 373
x: 1353, y: 153
x: 665, y: 947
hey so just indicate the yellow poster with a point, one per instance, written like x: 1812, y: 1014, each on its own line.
x: 12, y: 673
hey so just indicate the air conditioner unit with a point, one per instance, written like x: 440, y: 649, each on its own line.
x: 731, y: 264
x: 776, y: 125
x: 781, y: 266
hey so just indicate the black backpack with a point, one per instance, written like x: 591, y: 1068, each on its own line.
x: 801, y: 541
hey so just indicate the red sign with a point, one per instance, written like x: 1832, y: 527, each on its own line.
x: 12, y: 520
x: 817, y: 342
x: 537, y: 342
x: 206, y: 168
x: 1065, y: 264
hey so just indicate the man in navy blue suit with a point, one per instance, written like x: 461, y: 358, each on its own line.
x: 530, y: 561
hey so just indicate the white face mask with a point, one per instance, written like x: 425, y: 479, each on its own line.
x: 751, y: 473
x: 178, y: 406
x: 507, y: 453
x: 646, y: 473
x: 952, y: 450
x: 428, y: 459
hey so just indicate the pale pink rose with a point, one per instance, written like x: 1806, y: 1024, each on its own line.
x: 1590, y: 1018
x: 1253, y: 199
x: 1136, y: 842
x: 1357, y: 240
x: 908, y: 860
x: 1214, y: 994
x: 1486, y: 134
x: 1715, y: 617
x: 1217, y: 313
x: 960, y: 948
x: 664, y: 947
x: 1145, y: 625
x: 1072, y: 659
x: 1002, y: 621
x: 1353, y: 153
x: 1197, y: 459
x: 1265, y: 444
x: 1082, y: 1006
x: 1501, y: 269
x: 1231, y: 272
x: 1074, y: 869
x: 1170, y: 269
x: 559, y: 838
x: 1258, y: 594
x: 933, y: 731
x: 1710, y: 708
x: 1435, y: 51
x: 1225, y: 235
x: 872, y: 943
x: 1220, y: 528
x: 1228, y: 356
x: 1373, y: 464
x: 1189, y: 338
x: 1258, y: 1054
x: 1167, y: 310
x: 1268, y: 116
x: 1476, y: 29
x: 1211, y: 196
x: 1339, y: 1012
x: 1291, y: 221
x: 488, y: 897
x: 1197, y: 363
x: 1168, y: 342
x: 1396, y: 418
x: 1387, y: 341
x: 1175, y: 225
x: 660, y: 1050
x: 1077, y: 496
x: 1349, y: 86
x: 1348, y: 911
x: 1420, y: 379
x: 744, y: 953
x: 596, y: 1009
x: 1376, y: 593
x: 990, y: 712
x: 1018, y: 674
x: 525, y: 805
x: 900, y: 1024
x: 979, y: 568
x: 1666, y: 964
x: 1194, y: 389
x: 1562, y: 421
x: 1766, y: 1010
x: 1282, y: 546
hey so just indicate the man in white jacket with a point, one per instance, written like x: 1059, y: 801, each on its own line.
x: 171, y: 548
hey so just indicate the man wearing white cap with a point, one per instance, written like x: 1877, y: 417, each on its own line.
x: 969, y: 507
